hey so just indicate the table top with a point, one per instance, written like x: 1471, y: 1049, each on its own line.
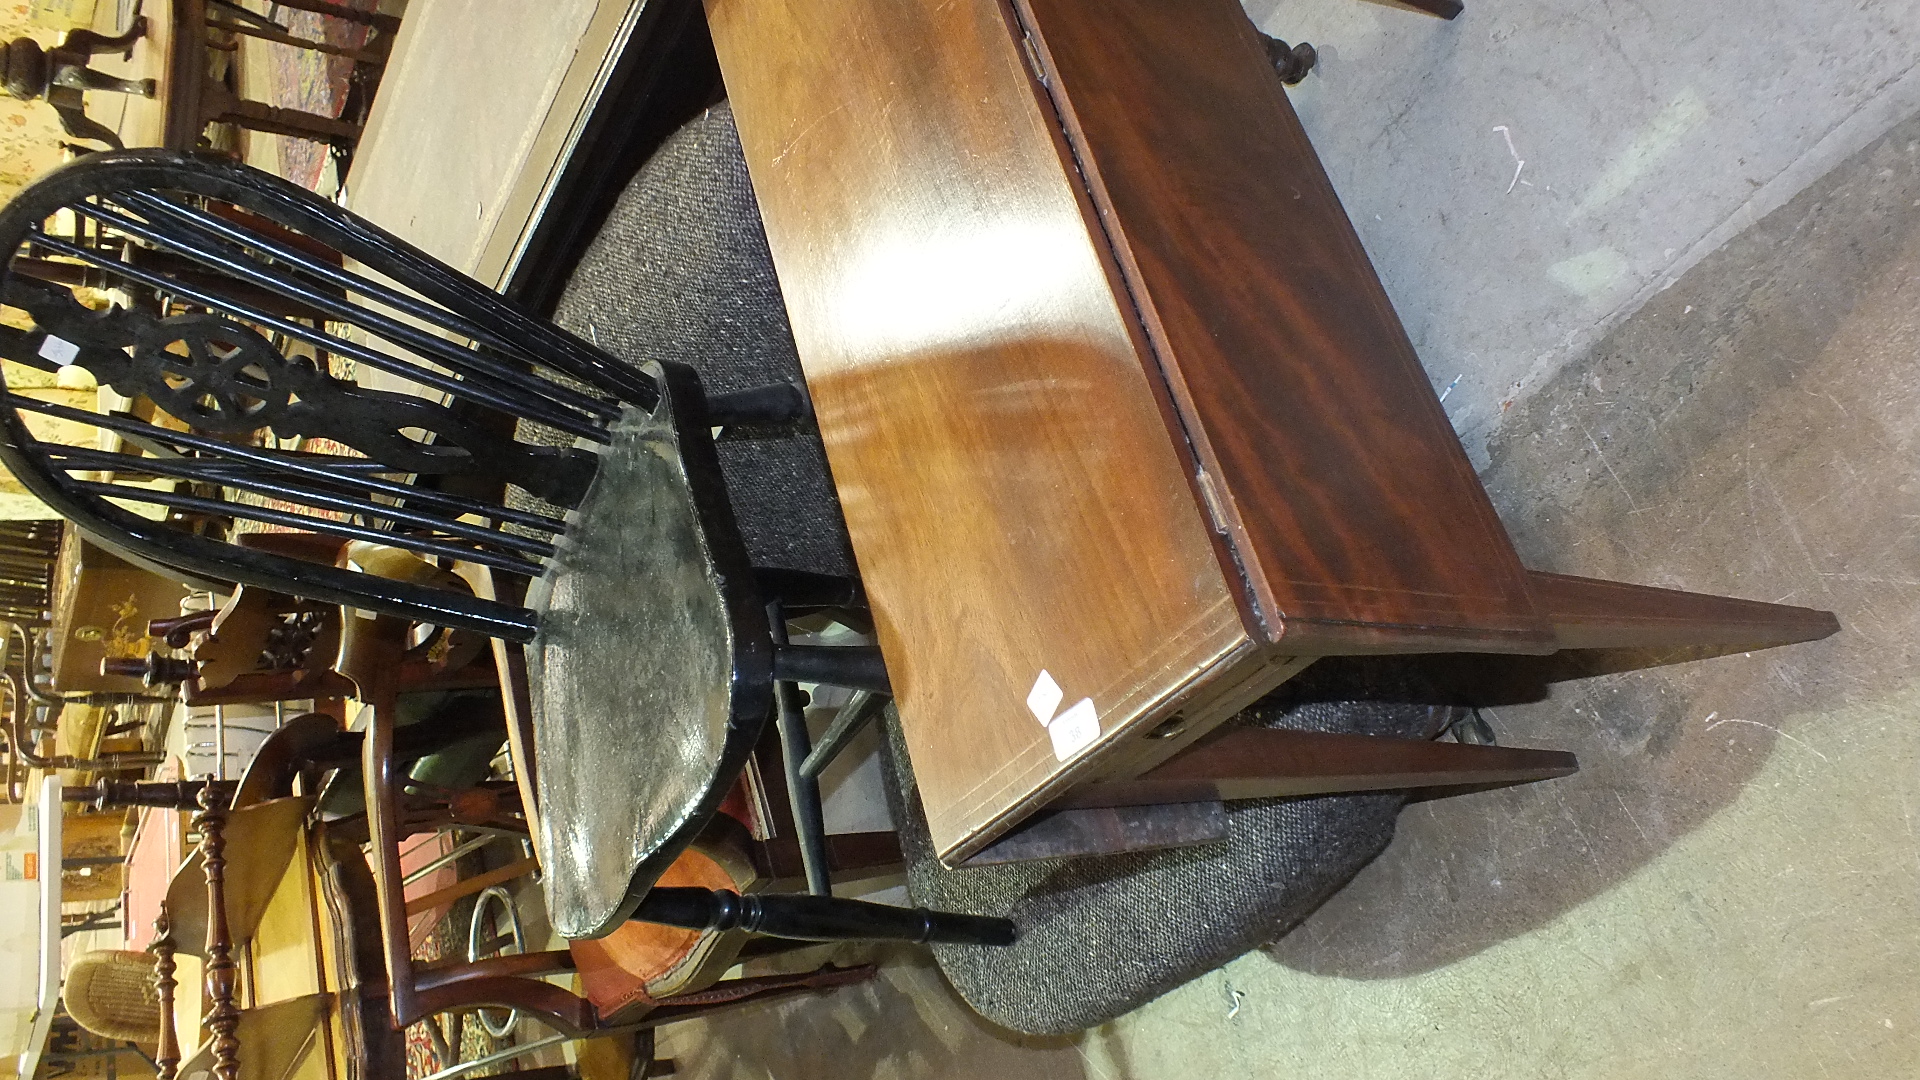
x: 1021, y: 518
x: 1123, y: 423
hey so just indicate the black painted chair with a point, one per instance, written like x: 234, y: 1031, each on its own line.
x: 290, y: 365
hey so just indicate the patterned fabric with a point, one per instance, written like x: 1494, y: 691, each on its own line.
x: 448, y: 940
x: 1102, y: 936
x: 311, y: 81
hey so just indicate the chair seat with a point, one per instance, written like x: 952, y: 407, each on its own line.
x: 636, y: 697
x: 679, y: 272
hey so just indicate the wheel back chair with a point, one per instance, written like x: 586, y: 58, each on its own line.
x: 317, y: 374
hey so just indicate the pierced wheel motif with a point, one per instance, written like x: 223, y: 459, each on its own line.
x: 216, y: 374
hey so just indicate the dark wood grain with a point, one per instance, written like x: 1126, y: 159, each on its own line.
x: 1591, y: 614
x: 371, y: 1037
x: 166, y: 1056
x: 1107, y: 830
x: 1445, y: 9
x: 184, y: 77
x: 222, y: 974
x: 1000, y: 452
x: 370, y: 649
x: 1266, y: 763
x: 1110, y: 388
x: 1357, y: 516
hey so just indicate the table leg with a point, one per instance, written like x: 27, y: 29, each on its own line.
x: 221, y: 106
x: 1265, y: 763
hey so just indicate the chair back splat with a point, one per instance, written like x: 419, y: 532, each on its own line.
x: 271, y: 362
x: 286, y: 364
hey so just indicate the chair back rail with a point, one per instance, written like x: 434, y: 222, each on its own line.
x: 222, y: 974
x: 292, y: 367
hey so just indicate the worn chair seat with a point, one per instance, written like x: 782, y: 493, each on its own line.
x: 303, y: 401
x: 679, y: 272
x: 629, y: 583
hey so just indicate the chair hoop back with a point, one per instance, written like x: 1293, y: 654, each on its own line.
x: 281, y: 363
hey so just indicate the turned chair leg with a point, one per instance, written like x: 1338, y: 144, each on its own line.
x: 91, y: 44
x: 857, y: 667
x: 817, y: 918
x: 385, y: 23
x: 772, y: 405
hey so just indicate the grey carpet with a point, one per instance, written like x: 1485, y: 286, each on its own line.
x: 681, y: 272
x: 1102, y: 936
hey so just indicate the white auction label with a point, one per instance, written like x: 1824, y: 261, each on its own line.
x: 1044, y: 698
x: 59, y: 350
x: 1074, y: 730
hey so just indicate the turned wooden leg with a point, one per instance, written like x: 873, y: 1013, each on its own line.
x: 1590, y: 614
x: 359, y: 56
x: 166, y: 1057
x: 222, y: 971
x: 385, y: 23
x: 817, y: 918
x: 219, y: 105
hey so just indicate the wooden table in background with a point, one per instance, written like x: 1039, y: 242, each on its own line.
x: 1125, y: 428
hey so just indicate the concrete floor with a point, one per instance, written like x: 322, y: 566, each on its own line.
x: 1652, y: 132
x: 1727, y: 402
